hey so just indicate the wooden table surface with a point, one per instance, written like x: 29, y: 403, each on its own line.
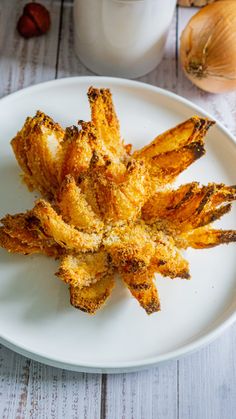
x: 200, y: 386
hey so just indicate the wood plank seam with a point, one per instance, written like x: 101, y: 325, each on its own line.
x: 177, y: 43
x: 103, y: 397
x: 59, y: 38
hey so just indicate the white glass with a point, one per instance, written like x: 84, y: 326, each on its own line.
x: 123, y: 38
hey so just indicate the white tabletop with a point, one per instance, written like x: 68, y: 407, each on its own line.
x: 200, y: 386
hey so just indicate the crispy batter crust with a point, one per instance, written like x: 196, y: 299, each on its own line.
x: 203, y: 238
x: 21, y: 234
x: 105, y: 119
x: 143, y: 288
x: 84, y: 270
x: 190, y: 206
x: 14, y: 245
x: 130, y: 246
x: 89, y: 299
x: 173, y: 151
x: 121, y: 198
x: 168, y: 260
x: 74, y: 207
x: 63, y: 234
x: 107, y: 211
x: 35, y: 147
x: 77, y: 150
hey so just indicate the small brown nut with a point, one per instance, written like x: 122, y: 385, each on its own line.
x: 26, y: 27
x: 34, y: 21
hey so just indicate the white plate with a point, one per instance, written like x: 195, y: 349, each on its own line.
x: 36, y: 318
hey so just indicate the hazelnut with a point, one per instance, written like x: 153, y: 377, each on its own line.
x: 34, y: 21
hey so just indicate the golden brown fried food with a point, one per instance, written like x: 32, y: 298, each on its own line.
x: 121, y: 198
x: 205, y: 237
x: 22, y: 226
x: 104, y: 118
x: 35, y: 148
x: 84, y: 270
x: 14, y: 245
x: 22, y: 234
x: 130, y: 246
x: 77, y: 150
x: 190, y: 206
x: 91, y: 298
x: 107, y: 211
x: 173, y: 151
x: 167, y: 259
x: 143, y: 288
x: 74, y: 207
x: 63, y: 234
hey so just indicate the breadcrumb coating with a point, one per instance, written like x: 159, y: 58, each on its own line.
x: 105, y: 210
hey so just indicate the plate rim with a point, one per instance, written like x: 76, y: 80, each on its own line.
x: 123, y: 366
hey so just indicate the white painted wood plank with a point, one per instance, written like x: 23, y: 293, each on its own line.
x: 14, y: 376
x: 55, y: 393
x: 26, y: 62
x: 143, y: 395
x: 207, y: 381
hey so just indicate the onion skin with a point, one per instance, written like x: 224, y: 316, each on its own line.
x: 208, y: 47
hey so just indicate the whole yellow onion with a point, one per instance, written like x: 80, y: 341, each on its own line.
x: 208, y: 47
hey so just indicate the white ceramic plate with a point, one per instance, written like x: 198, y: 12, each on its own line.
x: 36, y: 318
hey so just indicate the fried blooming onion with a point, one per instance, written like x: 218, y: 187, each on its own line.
x: 105, y: 210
